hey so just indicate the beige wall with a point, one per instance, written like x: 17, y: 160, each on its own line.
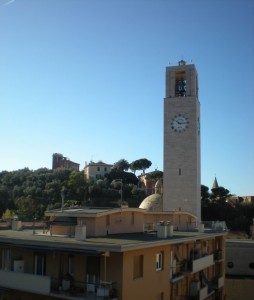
x: 62, y: 230
x: 125, y: 221
x: 118, y: 222
x: 152, y: 283
x: 91, y: 170
x: 179, y: 220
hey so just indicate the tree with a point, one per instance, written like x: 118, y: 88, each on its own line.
x: 127, y: 177
x: 8, y: 215
x: 140, y: 164
x: 121, y: 165
x: 145, y: 164
x: 205, y: 195
x: 4, y: 197
x: 137, y: 196
x: 77, y: 186
x: 26, y: 209
x: 53, y: 191
x: 156, y: 175
x: 134, y: 166
x: 219, y: 194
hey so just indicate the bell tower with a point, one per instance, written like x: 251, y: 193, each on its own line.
x: 181, y: 179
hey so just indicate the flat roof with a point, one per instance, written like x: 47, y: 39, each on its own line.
x: 113, y: 242
x: 240, y: 243
x: 88, y: 211
x: 99, y: 211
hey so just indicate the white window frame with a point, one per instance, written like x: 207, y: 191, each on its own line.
x: 159, y: 261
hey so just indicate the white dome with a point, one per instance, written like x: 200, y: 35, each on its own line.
x: 152, y: 203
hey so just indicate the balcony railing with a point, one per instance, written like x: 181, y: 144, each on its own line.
x: 218, y: 282
x: 198, y: 264
x: 203, y: 292
x: 102, y: 290
x: 45, y: 285
x: 25, y: 282
x: 202, y: 263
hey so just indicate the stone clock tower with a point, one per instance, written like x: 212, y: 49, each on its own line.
x: 181, y: 180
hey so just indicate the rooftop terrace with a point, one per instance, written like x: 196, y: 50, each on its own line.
x: 113, y: 242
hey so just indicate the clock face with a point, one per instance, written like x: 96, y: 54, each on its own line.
x: 179, y: 123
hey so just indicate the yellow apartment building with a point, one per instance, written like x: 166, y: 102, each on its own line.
x: 107, y: 253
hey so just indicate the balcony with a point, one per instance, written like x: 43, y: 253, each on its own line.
x: 90, y: 291
x: 202, y: 263
x: 45, y: 285
x: 203, y: 292
x: 218, y: 282
x: 25, y: 282
x: 199, y: 293
x: 197, y: 264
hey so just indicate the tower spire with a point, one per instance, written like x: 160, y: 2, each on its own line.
x: 215, y: 183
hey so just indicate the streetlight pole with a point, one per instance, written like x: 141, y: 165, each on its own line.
x: 121, y: 198
x: 63, y: 195
x: 121, y: 194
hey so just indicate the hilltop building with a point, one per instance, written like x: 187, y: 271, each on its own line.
x: 97, y: 170
x: 148, y: 185
x: 59, y: 161
x: 242, y: 199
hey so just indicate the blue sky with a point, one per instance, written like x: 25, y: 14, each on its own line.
x: 87, y: 79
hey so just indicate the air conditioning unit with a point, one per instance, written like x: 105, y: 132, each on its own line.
x: 18, y: 266
x: 162, y: 231
x: 80, y: 232
x: 170, y: 230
